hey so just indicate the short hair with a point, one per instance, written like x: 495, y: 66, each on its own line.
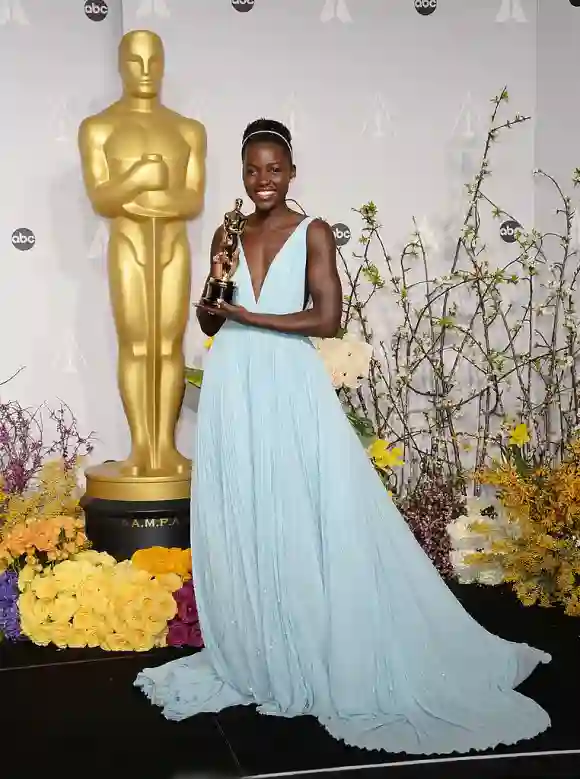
x: 270, y: 131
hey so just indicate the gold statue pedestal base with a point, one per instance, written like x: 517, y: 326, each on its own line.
x: 124, y: 513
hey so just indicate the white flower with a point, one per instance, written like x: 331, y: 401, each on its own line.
x: 346, y: 359
x: 491, y: 576
x: 466, y: 574
x: 466, y: 541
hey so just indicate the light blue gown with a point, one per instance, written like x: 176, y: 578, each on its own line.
x: 314, y: 596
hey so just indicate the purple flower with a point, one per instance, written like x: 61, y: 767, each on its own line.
x: 23, y: 449
x: 9, y: 615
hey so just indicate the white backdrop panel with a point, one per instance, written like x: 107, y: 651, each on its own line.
x: 385, y: 104
x: 57, y: 66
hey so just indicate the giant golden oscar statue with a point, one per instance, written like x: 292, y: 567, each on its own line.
x: 144, y: 169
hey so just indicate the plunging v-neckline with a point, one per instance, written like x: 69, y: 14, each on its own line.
x: 272, y: 261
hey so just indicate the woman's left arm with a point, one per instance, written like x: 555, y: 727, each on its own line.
x: 322, y: 320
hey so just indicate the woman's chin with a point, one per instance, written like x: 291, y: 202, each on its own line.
x: 266, y: 205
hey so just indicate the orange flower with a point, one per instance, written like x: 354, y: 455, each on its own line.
x: 45, y: 535
x: 18, y: 540
x: 158, y: 560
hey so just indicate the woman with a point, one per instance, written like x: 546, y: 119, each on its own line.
x: 314, y: 596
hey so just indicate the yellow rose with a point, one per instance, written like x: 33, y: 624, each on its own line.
x: 60, y: 633
x: 169, y: 581
x: 96, y: 602
x: 37, y: 633
x: 26, y: 575
x: 67, y: 574
x: 114, y: 623
x: 83, y: 619
x: 26, y: 602
x: 44, y: 587
x: 77, y: 639
x: 165, y: 608
x: 41, y: 610
x: 29, y: 606
x: 92, y: 638
x: 99, y: 631
x: 95, y: 558
x: 155, y: 626
x: 116, y: 642
x: 63, y: 607
x: 139, y: 640
x: 123, y: 592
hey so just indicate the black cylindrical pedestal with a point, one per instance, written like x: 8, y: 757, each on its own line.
x: 121, y: 527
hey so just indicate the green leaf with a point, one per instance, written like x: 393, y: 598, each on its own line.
x: 523, y: 467
x: 194, y: 376
x: 445, y: 321
x: 372, y: 275
x: 362, y: 426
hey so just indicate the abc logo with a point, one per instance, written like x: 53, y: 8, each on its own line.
x: 508, y: 230
x: 425, y: 7
x: 243, y: 5
x: 342, y: 234
x: 23, y: 239
x: 96, y: 11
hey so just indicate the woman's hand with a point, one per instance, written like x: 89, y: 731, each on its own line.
x: 228, y: 311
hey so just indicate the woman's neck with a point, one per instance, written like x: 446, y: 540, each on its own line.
x: 271, y: 217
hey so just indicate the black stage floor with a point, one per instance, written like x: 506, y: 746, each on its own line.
x: 75, y: 712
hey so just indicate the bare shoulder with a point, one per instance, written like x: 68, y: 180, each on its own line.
x: 320, y: 236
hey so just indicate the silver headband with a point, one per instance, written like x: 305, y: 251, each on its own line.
x: 267, y: 132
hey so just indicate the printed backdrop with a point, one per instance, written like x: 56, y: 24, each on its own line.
x: 387, y: 100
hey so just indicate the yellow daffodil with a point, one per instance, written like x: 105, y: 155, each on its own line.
x: 385, y: 456
x: 519, y: 436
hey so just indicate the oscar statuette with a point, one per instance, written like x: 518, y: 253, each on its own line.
x: 219, y: 286
x: 143, y: 168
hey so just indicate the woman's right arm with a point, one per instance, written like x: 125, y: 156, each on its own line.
x: 210, y: 323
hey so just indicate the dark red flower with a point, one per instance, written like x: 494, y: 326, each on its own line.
x: 178, y: 634
x: 184, y: 629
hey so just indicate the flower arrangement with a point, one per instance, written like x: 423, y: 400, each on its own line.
x: 23, y: 445
x: 473, y: 536
x: 45, y: 524
x: 92, y: 600
x: 183, y: 629
x: 539, y: 554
